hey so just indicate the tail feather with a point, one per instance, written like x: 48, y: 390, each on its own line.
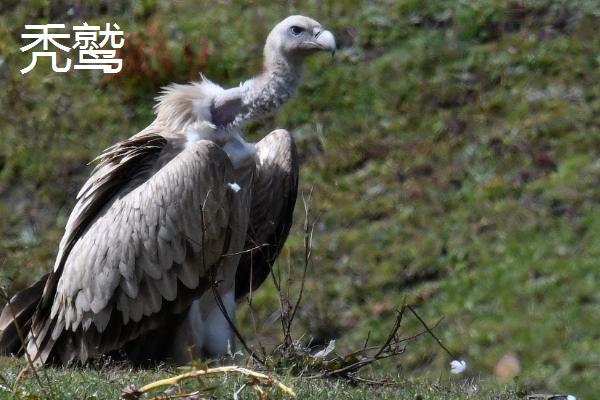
x: 15, y: 319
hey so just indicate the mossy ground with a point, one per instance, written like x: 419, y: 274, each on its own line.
x: 453, y: 148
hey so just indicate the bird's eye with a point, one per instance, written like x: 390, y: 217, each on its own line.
x: 296, y: 30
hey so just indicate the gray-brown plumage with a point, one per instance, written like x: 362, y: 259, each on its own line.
x: 274, y: 193
x: 165, y: 215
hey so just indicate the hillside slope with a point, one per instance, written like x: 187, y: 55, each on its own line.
x: 453, y: 148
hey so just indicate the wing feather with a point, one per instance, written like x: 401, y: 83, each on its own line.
x: 132, y: 239
x: 274, y: 194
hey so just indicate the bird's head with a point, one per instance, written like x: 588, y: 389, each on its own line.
x: 297, y: 37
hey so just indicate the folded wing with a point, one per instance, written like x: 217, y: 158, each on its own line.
x: 149, y: 224
x: 274, y: 194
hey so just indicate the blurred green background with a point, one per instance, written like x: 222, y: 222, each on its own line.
x: 453, y: 148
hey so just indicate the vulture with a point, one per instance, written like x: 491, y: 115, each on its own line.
x: 174, y: 226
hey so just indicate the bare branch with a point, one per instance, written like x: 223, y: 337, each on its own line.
x: 430, y: 331
x: 308, y: 236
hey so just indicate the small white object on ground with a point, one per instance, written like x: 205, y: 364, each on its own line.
x: 234, y: 186
x: 457, y: 367
x: 325, y: 352
x: 571, y: 397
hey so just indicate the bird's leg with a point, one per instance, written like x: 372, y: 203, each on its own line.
x: 218, y: 331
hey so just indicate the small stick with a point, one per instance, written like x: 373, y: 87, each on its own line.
x: 393, y: 332
x: 262, y: 378
x: 430, y: 331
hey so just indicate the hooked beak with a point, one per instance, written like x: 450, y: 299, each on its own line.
x: 323, y: 40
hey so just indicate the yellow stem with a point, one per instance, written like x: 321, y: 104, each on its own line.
x: 218, y: 370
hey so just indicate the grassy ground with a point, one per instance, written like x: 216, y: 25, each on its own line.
x: 104, y: 382
x: 453, y: 148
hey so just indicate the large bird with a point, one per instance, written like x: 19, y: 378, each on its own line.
x: 174, y: 225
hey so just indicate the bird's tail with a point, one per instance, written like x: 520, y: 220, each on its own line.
x: 15, y: 319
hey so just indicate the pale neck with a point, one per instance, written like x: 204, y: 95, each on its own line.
x: 268, y: 91
x: 283, y: 70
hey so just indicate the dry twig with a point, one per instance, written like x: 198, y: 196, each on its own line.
x: 256, y: 379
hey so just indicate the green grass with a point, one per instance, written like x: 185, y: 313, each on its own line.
x: 104, y: 382
x: 453, y: 151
